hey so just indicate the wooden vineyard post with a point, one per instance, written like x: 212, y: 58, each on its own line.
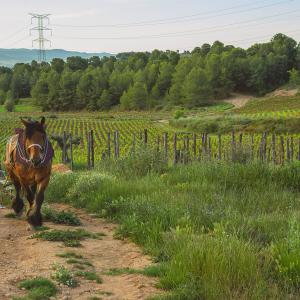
x: 116, y: 144
x: 233, y: 146
x: 292, y: 149
x: 281, y: 150
x: 219, y: 146
x: 288, y: 149
x: 64, y: 151
x: 195, y: 145
x: 240, y: 140
x: 89, y: 150
x: 252, y: 147
x: 71, y: 151
x: 92, y: 150
x: 264, y: 147
x: 108, y: 145
x: 158, y: 143
x: 166, y: 145
x: 209, y: 149
x: 145, y: 137
x: 274, y: 148
x: 176, y: 156
x: 204, y: 145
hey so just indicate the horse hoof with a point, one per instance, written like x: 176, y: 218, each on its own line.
x: 35, y: 220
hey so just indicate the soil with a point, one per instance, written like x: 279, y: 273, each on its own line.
x: 238, y: 100
x: 24, y: 258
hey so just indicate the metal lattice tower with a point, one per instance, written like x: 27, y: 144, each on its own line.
x: 40, y: 28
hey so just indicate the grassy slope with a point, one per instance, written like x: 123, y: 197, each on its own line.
x: 211, y: 226
x: 272, y: 104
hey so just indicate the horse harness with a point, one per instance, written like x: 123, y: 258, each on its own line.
x: 17, y: 143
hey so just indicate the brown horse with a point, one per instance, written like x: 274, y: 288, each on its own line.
x: 28, y: 163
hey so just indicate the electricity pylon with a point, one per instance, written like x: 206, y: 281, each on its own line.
x: 41, y: 40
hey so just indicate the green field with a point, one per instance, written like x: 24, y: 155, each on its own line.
x: 216, y: 229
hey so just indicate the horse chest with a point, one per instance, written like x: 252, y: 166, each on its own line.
x: 29, y: 175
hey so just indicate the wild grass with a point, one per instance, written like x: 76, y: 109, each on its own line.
x: 68, y: 237
x: 89, y: 275
x: 211, y: 226
x: 38, y: 289
x: 64, y: 276
x: 60, y: 217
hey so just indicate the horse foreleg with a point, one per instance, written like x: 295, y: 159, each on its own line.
x: 34, y: 215
x: 17, y: 202
x: 30, y: 193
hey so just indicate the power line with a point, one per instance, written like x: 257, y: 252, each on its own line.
x: 41, y: 40
x: 182, y: 19
x: 14, y: 34
x: 187, y: 32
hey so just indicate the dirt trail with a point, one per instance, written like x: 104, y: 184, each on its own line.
x: 22, y: 258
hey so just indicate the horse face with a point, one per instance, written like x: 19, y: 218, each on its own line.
x: 35, y: 141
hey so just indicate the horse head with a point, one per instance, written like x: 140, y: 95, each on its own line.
x: 34, y: 140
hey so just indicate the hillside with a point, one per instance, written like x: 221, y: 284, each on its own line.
x: 9, y: 57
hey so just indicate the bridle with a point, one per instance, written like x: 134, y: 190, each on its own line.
x: 36, y: 145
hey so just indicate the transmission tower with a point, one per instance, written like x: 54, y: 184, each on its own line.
x: 40, y: 28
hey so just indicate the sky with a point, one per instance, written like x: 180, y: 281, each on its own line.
x: 143, y: 25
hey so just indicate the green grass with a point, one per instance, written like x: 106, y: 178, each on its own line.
x: 88, y: 275
x: 65, y: 277
x: 210, y: 226
x: 68, y: 237
x: 60, y: 217
x: 38, y: 289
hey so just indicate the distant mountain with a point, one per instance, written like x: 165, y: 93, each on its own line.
x: 9, y: 57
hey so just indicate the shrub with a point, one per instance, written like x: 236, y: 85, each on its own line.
x: 287, y: 255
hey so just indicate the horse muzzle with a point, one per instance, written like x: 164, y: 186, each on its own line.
x: 36, y: 162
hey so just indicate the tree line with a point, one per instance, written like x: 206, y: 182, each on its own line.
x: 143, y: 80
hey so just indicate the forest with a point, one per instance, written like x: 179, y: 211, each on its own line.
x: 146, y: 80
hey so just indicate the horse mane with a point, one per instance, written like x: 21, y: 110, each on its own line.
x: 32, y: 127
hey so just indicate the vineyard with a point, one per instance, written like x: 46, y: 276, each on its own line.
x: 129, y: 132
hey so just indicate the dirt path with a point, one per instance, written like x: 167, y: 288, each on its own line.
x: 22, y: 258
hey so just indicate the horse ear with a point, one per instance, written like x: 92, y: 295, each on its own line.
x: 43, y: 121
x: 25, y: 123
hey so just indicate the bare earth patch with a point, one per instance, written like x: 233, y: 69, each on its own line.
x: 23, y: 258
x: 238, y: 100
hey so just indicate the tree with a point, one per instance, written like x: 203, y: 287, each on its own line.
x: 182, y: 70
x: 9, y: 103
x: 136, y: 97
x: 58, y: 64
x: 196, y: 88
x: 294, y: 78
x: 104, y: 103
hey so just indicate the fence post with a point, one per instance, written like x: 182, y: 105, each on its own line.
x: 64, y: 148
x: 92, y: 150
x: 175, y: 149
x: 292, y: 149
x: 281, y: 150
x: 89, y: 149
x: 71, y: 151
x: 108, y: 145
x: 145, y: 137
x: 158, y: 143
x: 195, y: 145
x: 233, y: 145
x: 274, y: 148
x: 288, y: 149
x: 166, y: 144
x: 219, y: 146
x: 116, y: 144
